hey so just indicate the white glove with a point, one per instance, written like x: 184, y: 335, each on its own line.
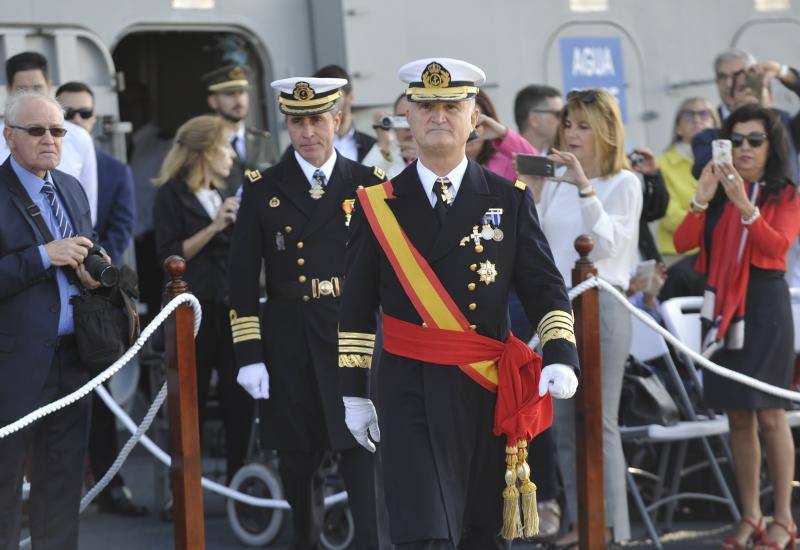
x: 255, y: 380
x: 559, y: 380
x: 361, y: 419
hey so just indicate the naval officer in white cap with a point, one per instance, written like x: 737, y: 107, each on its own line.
x: 295, y: 218
x: 436, y: 251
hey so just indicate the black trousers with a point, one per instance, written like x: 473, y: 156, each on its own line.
x: 103, y: 446
x: 214, y: 351
x: 58, y: 447
x: 303, y: 483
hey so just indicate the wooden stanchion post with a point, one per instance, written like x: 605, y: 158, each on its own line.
x: 588, y: 405
x: 185, y: 473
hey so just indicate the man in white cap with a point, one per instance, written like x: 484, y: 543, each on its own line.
x: 295, y: 216
x: 437, y: 250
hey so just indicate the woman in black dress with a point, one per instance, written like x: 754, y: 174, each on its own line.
x: 744, y: 217
x: 192, y: 220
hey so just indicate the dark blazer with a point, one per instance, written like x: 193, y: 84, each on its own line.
x: 116, y: 209
x: 29, y: 301
x: 300, y: 240
x: 177, y: 215
x: 261, y: 151
x: 364, y: 143
x: 656, y: 200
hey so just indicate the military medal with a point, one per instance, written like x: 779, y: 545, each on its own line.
x: 348, y: 205
x: 316, y: 191
x: 447, y: 195
x: 487, y: 232
x: 487, y: 272
x: 280, y: 244
x: 497, y: 234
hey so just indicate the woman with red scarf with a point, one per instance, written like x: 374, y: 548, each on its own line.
x: 744, y: 217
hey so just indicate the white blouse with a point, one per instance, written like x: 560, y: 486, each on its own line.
x: 611, y: 218
x: 211, y: 201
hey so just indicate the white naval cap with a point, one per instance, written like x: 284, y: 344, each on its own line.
x: 308, y: 95
x: 441, y: 79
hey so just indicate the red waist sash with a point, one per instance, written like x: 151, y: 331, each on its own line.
x: 519, y: 413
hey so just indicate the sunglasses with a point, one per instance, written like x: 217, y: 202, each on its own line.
x: 39, y: 131
x: 85, y: 113
x: 584, y: 96
x: 755, y: 139
x: 704, y: 114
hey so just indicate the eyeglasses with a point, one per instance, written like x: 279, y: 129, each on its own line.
x: 584, y: 96
x: 39, y: 131
x: 85, y: 113
x: 688, y: 115
x: 755, y: 139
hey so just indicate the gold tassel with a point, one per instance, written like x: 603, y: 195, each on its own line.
x: 527, y: 490
x: 512, y: 526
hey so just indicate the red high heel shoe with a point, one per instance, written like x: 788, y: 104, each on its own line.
x: 766, y: 544
x: 730, y: 543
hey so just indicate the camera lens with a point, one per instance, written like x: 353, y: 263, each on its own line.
x: 100, y: 270
x: 386, y: 122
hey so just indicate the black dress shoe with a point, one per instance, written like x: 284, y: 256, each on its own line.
x: 118, y: 500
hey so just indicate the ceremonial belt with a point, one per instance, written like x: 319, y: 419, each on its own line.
x: 505, y: 368
x: 312, y: 288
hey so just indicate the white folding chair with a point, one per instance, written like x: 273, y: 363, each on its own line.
x: 647, y: 345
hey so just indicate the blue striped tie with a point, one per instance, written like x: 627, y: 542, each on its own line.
x: 49, y: 191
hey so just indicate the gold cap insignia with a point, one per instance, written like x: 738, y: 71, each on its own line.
x: 252, y: 175
x: 435, y: 76
x: 303, y: 91
x: 237, y: 73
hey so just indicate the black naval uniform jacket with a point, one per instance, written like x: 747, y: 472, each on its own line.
x: 302, y: 244
x: 443, y: 468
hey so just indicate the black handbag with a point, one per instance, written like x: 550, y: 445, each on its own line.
x: 106, y: 321
x: 645, y: 400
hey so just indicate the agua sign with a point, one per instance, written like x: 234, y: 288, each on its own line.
x: 594, y: 62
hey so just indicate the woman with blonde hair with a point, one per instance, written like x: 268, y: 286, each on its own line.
x: 192, y: 220
x: 694, y: 115
x: 594, y: 193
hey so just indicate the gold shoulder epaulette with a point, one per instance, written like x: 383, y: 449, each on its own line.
x: 520, y: 185
x: 379, y: 173
x: 252, y: 175
x: 256, y: 131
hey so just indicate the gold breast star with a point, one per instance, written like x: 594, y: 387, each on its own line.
x: 487, y: 272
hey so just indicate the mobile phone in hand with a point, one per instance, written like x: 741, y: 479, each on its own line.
x: 532, y: 165
x: 721, y: 151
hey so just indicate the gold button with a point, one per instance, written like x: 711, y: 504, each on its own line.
x: 478, y: 248
x: 473, y: 267
x: 302, y: 278
x: 300, y: 244
x: 288, y: 228
x: 473, y: 327
x: 471, y: 286
x: 473, y: 306
x: 300, y: 261
x: 306, y: 298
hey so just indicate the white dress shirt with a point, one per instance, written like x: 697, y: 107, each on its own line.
x: 346, y: 144
x: 309, y: 169
x: 210, y: 199
x: 428, y: 178
x: 78, y: 159
x: 611, y: 218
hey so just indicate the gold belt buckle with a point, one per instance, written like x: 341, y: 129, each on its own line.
x: 325, y: 287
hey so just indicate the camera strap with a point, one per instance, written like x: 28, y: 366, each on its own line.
x: 35, y: 213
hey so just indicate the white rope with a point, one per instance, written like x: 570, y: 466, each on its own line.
x: 98, y: 380
x: 593, y: 281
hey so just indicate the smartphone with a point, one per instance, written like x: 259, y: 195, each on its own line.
x: 721, y: 151
x: 646, y: 268
x: 531, y: 165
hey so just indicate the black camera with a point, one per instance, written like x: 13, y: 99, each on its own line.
x: 100, y: 270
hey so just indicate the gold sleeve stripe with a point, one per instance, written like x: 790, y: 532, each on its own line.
x: 552, y: 316
x: 358, y: 335
x: 558, y: 324
x: 245, y: 324
x: 353, y: 341
x: 355, y: 349
x: 241, y: 333
x: 240, y: 320
x: 245, y: 338
x: 253, y: 326
x: 557, y: 333
x: 351, y: 361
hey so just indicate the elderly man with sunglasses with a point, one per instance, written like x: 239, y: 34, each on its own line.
x: 39, y: 360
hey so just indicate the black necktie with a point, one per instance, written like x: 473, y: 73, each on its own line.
x: 442, y: 188
x: 234, y: 142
